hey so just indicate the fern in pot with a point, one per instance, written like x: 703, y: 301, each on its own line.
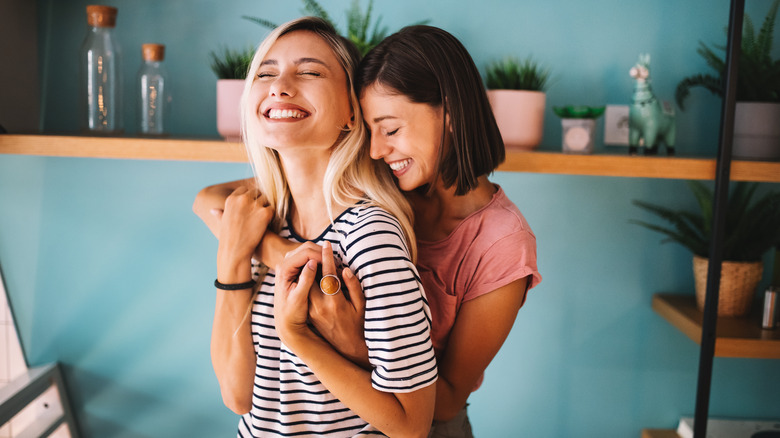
x: 516, y: 90
x: 752, y: 229
x: 359, y: 29
x: 756, y: 131
x: 231, y: 67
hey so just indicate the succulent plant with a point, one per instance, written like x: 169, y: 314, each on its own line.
x: 578, y: 111
x: 231, y: 64
x: 511, y: 74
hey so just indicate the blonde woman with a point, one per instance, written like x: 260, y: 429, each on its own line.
x: 306, y: 141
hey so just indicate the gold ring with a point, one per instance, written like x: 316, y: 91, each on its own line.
x: 330, y: 285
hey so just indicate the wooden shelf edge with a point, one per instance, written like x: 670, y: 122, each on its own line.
x: 636, y: 166
x: 736, y: 337
x: 516, y: 161
x: 659, y: 433
x: 123, y: 148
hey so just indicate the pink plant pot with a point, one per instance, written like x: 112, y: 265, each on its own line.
x: 520, y: 116
x: 228, y: 108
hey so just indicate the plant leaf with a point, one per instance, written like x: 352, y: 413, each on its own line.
x: 261, y: 21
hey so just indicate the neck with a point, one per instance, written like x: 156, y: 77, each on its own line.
x: 437, y: 215
x: 305, y: 170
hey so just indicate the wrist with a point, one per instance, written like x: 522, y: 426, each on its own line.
x: 295, y: 335
x: 233, y: 271
x: 359, y: 356
x: 247, y: 285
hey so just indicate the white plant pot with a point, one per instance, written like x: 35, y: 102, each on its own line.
x: 756, y: 131
x: 520, y: 116
x: 229, y: 109
x: 579, y: 135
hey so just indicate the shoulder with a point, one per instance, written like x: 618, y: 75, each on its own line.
x: 366, y: 219
x: 369, y: 228
x: 500, y: 221
x: 504, y: 248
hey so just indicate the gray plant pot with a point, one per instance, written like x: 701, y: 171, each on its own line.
x: 757, y: 131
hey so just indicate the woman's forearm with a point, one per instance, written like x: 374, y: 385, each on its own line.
x: 232, y: 351
x: 449, y: 400
x: 273, y: 248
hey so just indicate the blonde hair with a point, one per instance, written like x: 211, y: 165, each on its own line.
x: 351, y: 175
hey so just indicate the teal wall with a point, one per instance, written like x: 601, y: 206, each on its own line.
x: 109, y: 272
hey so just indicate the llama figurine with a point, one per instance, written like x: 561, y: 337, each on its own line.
x: 649, y: 123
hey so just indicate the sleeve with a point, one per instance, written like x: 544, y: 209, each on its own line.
x: 510, y: 258
x: 398, y: 319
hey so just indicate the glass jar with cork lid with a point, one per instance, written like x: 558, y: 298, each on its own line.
x: 153, y: 94
x: 101, y: 74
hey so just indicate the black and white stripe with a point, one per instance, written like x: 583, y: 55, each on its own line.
x: 288, y: 398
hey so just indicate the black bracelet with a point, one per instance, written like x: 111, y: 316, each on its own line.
x: 235, y: 286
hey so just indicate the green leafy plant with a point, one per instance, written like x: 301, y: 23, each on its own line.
x: 751, y: 228
x: 578, y: 111
x: 758, y: 74
x: 359, y: 26
x: 511, y: 74
x: 231, y: 64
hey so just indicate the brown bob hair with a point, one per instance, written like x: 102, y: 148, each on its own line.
x: 429, y: 65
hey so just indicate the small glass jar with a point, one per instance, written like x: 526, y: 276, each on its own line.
x: 101, y: 74
x: 153, y: 93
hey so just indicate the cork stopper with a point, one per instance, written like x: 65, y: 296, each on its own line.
x: 153, y: 52
x: 101, y: 16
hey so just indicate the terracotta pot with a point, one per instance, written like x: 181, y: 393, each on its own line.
x: 738, y: 282
x: 757, y: 131
x: 520, y: 116
x: 228, y: 108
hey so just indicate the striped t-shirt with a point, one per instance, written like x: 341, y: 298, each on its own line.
x: 288, y: 399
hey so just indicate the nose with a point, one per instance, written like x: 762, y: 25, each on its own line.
x: 282, y: 86
x: 379, y: 148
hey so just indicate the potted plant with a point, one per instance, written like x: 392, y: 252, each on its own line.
x: 230, y: 67
x: 752, y: 228
x: 516, y: 90
x: 358, y: 23
x: 579, y: 127
x: 756, y: 131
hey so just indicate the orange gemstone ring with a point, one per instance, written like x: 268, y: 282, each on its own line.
x: 330, y: 285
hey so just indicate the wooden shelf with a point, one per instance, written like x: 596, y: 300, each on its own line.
x: 516, y: 161
x: 659, y: 433
x: 735, y: 337
x: 637, y: 166
x: 123, y: 148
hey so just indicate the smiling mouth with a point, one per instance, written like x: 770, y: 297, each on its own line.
x: 282, y: 114
x: 400, y: 164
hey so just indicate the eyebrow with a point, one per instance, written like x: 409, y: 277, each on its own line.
x: 297, y: 62
x: 382, y: 118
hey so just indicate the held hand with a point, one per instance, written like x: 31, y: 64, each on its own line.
x: 242, y: 225
x: 210, y: 201
x: 217, y: 213
x: 339, y: 318
x: 294, y: 277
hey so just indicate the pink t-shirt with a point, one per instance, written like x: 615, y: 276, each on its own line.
x: 491, y: 248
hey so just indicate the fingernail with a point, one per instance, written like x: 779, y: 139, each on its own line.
x: 311, y: 264
x: 347, y: 273
x: 215, y: 211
